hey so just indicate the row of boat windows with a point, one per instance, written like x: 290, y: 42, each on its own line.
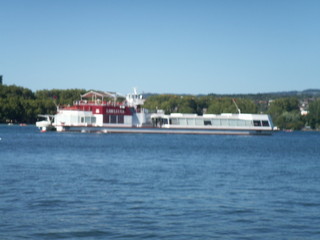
x: 106, y: 119
x: 89, y: 120
x: 118, y: 119
x: 215, y: 122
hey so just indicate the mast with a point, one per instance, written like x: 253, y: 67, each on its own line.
x: 236, y: 105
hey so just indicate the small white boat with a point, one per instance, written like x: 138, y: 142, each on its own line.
x: 46, y: 124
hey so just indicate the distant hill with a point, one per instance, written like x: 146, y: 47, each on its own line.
x: 308, y: 93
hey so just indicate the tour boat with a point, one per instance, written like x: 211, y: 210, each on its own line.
x: 100, y: 112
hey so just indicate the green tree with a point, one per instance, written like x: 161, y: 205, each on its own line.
x: 313, y: 117
x: 227, y: 105
x: 21, y: 105
x: 61, y: 97
x: 285, y: 113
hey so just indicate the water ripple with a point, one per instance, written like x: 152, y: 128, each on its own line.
x: 90, y: 186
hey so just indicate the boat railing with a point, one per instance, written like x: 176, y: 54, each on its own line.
x: 97, y: 103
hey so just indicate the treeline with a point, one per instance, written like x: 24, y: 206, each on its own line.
x: 21, y: 105
x: 199, y: 105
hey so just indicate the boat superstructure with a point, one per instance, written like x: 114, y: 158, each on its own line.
x: 99, y: 110
x: 215, y: 123
x: 109, y: 112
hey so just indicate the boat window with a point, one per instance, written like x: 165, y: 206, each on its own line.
x: 241, y: 123
x: 191, y: 121
x: 174, y: 121
x: 182, y: 121
x: 256, y: 123
x: 82, y: 119
x: 224, y: 122
x: 199, y: 122
x: 248, y: 123
x: 216, y: 122
x: 120, y: 119
x: 164, y: 121
x: 105, y: 118
x: 93, y: 119
x: 113, y: 119
x: 88, y: 119
x: 232, y: 122
x: 207, y: 122
x: 265, y: 123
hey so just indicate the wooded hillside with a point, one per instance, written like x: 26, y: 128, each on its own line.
x: 21, y: 105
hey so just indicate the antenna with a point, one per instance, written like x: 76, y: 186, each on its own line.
x: 236, y: 105
x: 54, y: 98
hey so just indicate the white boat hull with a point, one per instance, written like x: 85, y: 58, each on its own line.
x: 152, y: 130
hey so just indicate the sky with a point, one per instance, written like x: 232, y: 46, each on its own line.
x: 161, y: 46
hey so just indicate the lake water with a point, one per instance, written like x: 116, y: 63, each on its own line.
x: 136, y: 186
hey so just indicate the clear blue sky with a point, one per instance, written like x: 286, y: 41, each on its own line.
x: 163, y: 46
